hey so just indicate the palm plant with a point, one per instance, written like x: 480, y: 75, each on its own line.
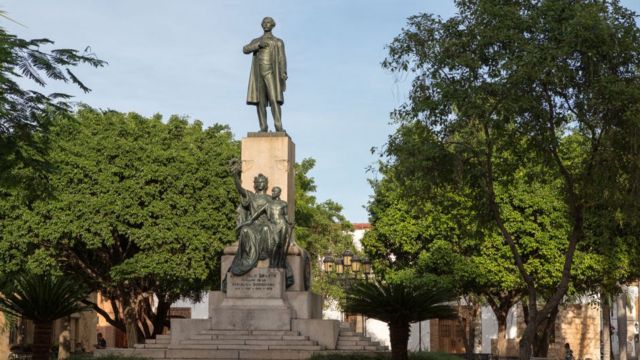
x: 398, y: 305
x: 42, y: 299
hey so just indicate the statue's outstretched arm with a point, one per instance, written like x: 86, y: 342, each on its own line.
x: 251, y: 47
x: 236, y: 170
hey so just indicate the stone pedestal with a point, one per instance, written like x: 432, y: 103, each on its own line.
x: 273, y: 155
x: 254, y: 301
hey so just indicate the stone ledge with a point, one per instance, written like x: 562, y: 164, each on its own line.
x: 268, y: 134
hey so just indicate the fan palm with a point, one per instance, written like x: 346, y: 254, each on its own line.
x: 42, y: 299
x: 398, y: 305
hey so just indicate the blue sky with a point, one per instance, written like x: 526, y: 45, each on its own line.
x: 185, y: 57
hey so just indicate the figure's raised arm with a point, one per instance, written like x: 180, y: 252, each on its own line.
x: 236, y: 170
x: 251, y: 47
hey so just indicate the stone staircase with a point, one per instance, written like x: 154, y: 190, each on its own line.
x: 248, y: 344
x: 350, y: 341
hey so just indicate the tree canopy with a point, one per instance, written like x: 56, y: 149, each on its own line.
x: 506, y: 95
x: 138, y: 206
x: 25, y: 113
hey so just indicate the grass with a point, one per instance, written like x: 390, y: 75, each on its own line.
x: 424, y: 355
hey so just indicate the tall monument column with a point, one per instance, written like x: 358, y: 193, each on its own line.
x: 273, y: 155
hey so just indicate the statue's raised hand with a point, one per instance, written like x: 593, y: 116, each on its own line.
x: 235, y: 166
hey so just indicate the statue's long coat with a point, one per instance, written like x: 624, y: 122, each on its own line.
x: 277, y: 57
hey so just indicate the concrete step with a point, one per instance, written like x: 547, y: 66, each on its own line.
x: 357, y: 347
x: 274, y: 332
x: 150, y: 346
x: 178, y: 347
x: 349, y: 333
x: 247, y: 337
x: 356, y: 342
x: 351, y: 338
x: 249, y: 332
x: 248, y: 342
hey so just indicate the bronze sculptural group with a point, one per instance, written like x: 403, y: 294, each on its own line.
x: 263, y: 227
x: 267, y: 80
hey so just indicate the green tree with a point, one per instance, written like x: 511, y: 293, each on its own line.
x: 524, y: 76
x: 42, y: 299
x: 138, y: 208
x: 399, y: 304
x: 320, y: 227
x: 25, y: 114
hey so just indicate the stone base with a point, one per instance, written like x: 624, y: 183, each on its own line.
x: 254, y: 301
x: 325, y: 332
x: 242, y: 317
x: 295, y: 258
x: 305, y: 304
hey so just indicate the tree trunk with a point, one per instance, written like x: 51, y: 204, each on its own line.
x: 130, y: 322
x: 541, y: 343
x: 42, y: 340
x: 501, y: 304
x: 470, y: 335
x: 160, y: 319
x: 528, y: 337
x: 621, y: 305
x: 502, y: 337
x: 606, y: 327
x: 399, y: 334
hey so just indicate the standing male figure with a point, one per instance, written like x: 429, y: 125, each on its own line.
x: 267, y: 81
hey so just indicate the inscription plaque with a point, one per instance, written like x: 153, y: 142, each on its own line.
x: 257, y: 283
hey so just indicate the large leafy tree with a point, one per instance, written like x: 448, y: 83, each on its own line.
x: 320, y: 227
x: 25, y: 113
x: 523, y: 76
x: 139, y: 208
x: 42, y: 298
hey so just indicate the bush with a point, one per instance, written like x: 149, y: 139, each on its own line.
x: 428, y: 355
x: 89, y: 356
x: 354, y: 356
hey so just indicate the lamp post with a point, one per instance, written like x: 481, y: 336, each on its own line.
x: 346, y: 268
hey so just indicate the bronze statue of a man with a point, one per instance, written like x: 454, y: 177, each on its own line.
x: 267, y: 81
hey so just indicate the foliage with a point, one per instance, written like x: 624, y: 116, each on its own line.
x: 432, y: 355
x: 424, y: 355
x: 139, y: 206
x: 499, y: 91
x: 399, y: 304
x: 43, y: 299
x: 320, y: 227
x: 354, y: 356
x: 25, y: 114
x: 104, y: 357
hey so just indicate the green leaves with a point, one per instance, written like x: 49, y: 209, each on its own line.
x: 42, y: 297
x: 25, y: 114
x: 398, y: 302
x: 135, y: 200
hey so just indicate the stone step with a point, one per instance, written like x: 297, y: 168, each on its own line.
x: 357, y: 347
x: 275, y: 332
x: 150, y: 346
x: 356, y: 342
x: 351, y: 338
x: 248, y: 337
x: 248, y: 342
x: 249, y: 332
x: 308, y: 347
x: 224, y: 332
x: 163, y: 337
x: 349, y: 333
